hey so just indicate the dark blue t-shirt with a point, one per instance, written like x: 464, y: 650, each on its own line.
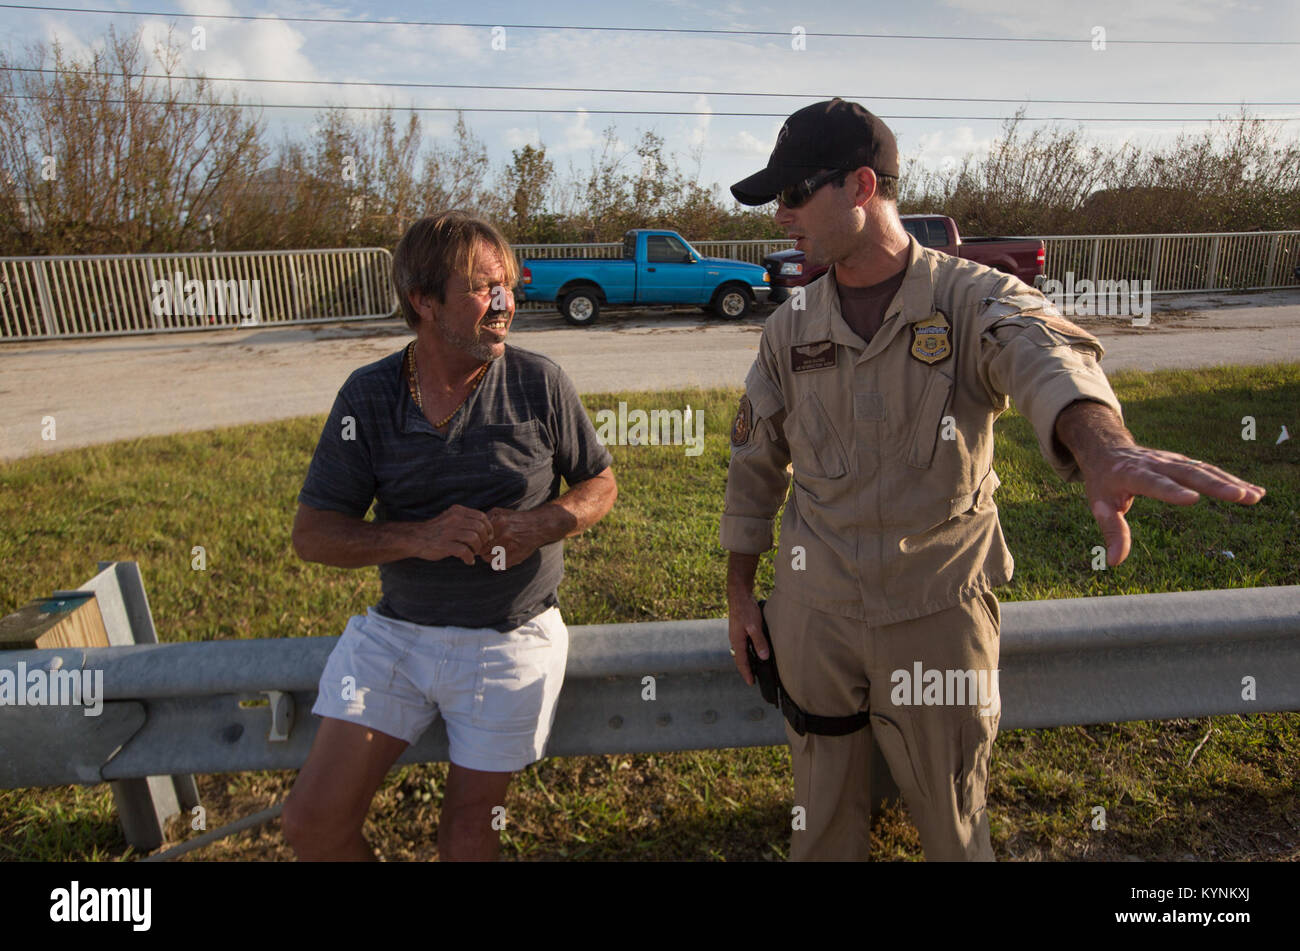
x: 521, y: 431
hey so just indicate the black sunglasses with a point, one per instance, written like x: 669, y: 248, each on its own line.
x: 793, y: 196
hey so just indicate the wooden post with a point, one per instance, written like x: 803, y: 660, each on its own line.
x: 69, y: 619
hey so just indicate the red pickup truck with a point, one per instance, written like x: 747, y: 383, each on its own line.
x: 1022, y: 257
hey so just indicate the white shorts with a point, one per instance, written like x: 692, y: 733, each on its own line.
x: 496, y: 691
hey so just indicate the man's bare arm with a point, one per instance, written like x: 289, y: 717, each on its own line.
x: 744, y: 619
x: 1116, y: 470
x: 333, y: 538
x: 582, y: 506
x: 741, y: 569
x: 1090, y: 430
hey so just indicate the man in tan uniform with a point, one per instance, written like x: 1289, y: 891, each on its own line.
x: 882, y: 392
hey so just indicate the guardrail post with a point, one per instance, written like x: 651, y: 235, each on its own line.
x: 150, y: 279
x: 1096, y: 256
x: 47, y: 299
x: 1155, y: 264
x: 143, y: 805
x: 297, y: 292
x: 1272, y: 259
x: 1212, y: 270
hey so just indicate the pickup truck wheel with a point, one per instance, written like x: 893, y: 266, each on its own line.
x: 732, y: 302
x: 580, y: 307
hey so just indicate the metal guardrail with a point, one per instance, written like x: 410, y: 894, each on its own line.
x: 145, y: 803
x: 119, y: 294
x: 184, y: 708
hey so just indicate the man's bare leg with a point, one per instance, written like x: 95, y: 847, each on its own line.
x: 465, y: 832
x: 327, y: 806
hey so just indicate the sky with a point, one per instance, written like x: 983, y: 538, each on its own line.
x: 494, y: 46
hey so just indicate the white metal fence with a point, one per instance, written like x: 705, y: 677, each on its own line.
x: 1179, y: 263
x: 116, y: 294
x: 109, y: 295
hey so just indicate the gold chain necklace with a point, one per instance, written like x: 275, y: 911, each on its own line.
x: 413, y: 381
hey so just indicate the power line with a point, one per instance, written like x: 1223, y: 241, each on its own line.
x: 785, y: 34
x: 655, y: 92
x: 635, y: 112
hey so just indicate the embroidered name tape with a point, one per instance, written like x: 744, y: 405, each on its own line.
x: 813, y: 356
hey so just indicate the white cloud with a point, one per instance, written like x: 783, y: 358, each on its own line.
x: 945, y: 148
x: 516, y: 138
x: 749, y: 144
x: 578, y: 136
x: 55, y: 29
x: 1063, y: 18
x: 699, y: 133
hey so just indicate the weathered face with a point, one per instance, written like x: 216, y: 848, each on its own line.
x: 476, y: 314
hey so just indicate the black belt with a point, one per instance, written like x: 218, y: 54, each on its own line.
x: 769, y: 684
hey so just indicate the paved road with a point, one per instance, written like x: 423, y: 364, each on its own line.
x: 103, y: 390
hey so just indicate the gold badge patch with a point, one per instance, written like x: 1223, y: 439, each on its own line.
x: 743, y: 424
x: 932, y: 339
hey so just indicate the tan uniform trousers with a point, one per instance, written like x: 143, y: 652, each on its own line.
x: 937, y: 752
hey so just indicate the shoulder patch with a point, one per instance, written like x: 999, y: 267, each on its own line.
x: 1027, y: 300
x: 743, y: 425
x: 1035, y: 307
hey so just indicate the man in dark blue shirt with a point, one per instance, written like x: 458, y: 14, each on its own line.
x: 461, y: 441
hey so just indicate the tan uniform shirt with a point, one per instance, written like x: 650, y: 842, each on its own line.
x: 892, y: 515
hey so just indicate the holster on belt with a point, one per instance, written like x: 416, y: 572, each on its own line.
x: 769, y: 684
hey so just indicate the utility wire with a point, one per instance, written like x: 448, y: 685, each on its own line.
x: 643, y: 29
x: 636, y: 112
x: 656, y: 92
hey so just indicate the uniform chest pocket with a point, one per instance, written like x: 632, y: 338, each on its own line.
x: 815, y: 447
x: 929, y: 420
x: 511, y: 447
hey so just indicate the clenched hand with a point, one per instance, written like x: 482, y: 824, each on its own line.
x: 459, y: 532
x: 519, y: 533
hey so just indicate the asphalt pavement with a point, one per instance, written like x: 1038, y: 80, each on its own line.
x: 107, y: 389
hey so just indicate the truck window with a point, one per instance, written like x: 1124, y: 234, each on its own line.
x: 929, y: 232
x: 629, y: 247
x: 664, y: 249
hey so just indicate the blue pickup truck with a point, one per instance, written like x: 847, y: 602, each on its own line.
x: 658, y: 267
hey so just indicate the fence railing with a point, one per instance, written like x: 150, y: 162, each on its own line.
x: 116, y: 294
x: 1179, y: 263
x: 108, y: 295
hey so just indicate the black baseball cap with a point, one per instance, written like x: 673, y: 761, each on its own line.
x: 828, y: 135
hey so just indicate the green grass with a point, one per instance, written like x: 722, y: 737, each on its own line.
x: 656, y: 556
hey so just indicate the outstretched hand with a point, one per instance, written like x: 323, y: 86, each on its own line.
x: 1121, y: 473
